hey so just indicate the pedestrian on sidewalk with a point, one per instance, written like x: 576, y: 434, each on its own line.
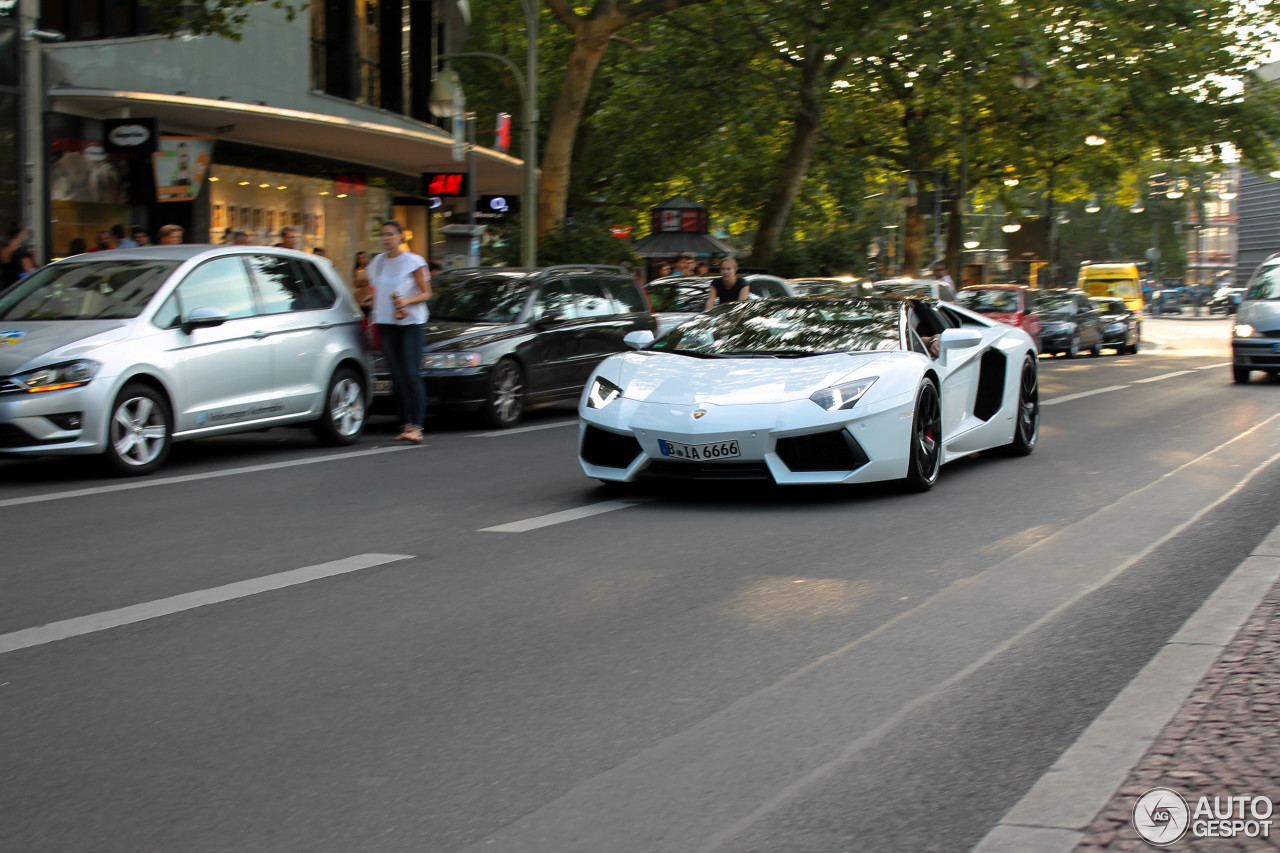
x: 401, y: 288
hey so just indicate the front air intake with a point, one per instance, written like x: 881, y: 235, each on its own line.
x: 609, y: 449
x: 823, y: 451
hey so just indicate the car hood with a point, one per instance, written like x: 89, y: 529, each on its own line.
x: 29, y: 345
x: 448, y: 335
x: 1112, y: 318
x: 1262, y: 314
x: 677, y: 380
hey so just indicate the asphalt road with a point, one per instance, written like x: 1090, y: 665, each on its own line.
x: 275, y: 647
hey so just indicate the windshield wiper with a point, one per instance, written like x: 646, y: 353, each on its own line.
x: 766, y: 353
x: 690, y: 353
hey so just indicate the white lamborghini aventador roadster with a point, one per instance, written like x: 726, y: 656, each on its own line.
x: 812, y: 391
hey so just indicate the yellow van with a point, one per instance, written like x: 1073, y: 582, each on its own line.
x: 1120, y: 280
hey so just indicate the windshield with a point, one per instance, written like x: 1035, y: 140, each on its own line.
x: 989, y: 301
x: 823, y: 287
x: 1266, y: 283
x: 481, y: 299
x: 1055, y: 303
x: 673, y: 294
x: 788, y: 327
x: 89, y: 290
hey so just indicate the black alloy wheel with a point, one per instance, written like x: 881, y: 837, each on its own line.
x: 505, y: 404
x: 925, y: 458
x: 1027, y: 429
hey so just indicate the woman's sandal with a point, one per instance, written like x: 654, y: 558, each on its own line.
x: 413, y: 434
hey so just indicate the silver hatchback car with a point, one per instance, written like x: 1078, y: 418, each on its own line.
x: 121, y: 353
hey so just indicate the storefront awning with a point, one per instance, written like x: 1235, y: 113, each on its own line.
x: 378, y: 146
x: 666, y: 244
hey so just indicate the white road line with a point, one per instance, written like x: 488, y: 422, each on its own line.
x: 559, y: 517
x: 106, y: 620
x: 1214, y: 366
x: 190, y: 478
x: 1070, y: 397
x: 1162, y: 376
x: 498, y: 432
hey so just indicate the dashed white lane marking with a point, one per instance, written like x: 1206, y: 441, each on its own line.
x: 1162, y: 376
x: 1214, y: 366
x: 108, y: 619
x: 559, y: 517
x: 1081, y: 395
x: 191, y: 478
x: 499, y: 432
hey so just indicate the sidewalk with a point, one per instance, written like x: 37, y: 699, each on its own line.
x: 1202, y: 719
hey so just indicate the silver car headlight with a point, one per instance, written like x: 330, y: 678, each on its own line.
x: 843, y: 396
x: 450, y: 360
x: 1243, y: 330
x: 58, y: 377
x: 601, y: 393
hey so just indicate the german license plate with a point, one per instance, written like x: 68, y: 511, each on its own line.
x: 699, y: 452
x: 382, y: 386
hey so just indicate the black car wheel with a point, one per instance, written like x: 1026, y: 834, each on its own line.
x: 1074, y: 349
x: 1096, y: 350
x: 342, y: 419
x: 505, y: 404
x: 1240, y: 374
x: 925, y: 458
x: 1027, y: 429
x: 140, y: 433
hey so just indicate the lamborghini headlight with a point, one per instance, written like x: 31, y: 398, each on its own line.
x: 57, y: 377
x: 602, y: 393
x: 842, y: 396
x: 1242, y: 330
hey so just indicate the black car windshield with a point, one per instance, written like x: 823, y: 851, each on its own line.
x: 1266, y: 284
x: 1055, y: 303
x: 788, y: 327
x: 496, y: 298
x: 989, y: 301
x: 668, y: 295
x: 88, y: 290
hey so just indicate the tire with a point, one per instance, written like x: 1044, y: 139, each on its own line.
x: 504, y: 405
x: 1240, y: 375
x: 1026, y: 429
x: 345, y: 404
x: 140, y: 431
x: 1096, y: 350
x: 1074, y: 349
x: 925, y: 457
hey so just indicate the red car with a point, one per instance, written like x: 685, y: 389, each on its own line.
x: 1009, y: 303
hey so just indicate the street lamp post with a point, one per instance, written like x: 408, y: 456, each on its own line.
x: 528, y: 84
x: 35, y: 192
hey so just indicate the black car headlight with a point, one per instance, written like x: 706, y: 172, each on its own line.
x: 58, y: 376
x: 842, y: 396
x: 601, y: 393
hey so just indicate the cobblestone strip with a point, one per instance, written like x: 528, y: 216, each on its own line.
x: 1223, y: 741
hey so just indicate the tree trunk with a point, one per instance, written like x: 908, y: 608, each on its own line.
x: 589, y: 43
x: 804, y: 132
x: 912, y: 241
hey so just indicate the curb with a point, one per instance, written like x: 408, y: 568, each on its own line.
x: 1056, y: 813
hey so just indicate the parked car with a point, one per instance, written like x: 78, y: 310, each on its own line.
x: 677, y: 299
x: 1069, y: 323
x: 1121, y: 325
x: 501, y: 339
x: 1255, y: 336
x: 1167, y: 301
x: 1009, y: 303
x: 1226, y: 299
x: 821, y: 288
x: 121, y: 353
x: 930, y: 287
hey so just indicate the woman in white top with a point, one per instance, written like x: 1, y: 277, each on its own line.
x: 401, y: 287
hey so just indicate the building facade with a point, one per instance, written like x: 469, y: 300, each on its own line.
x: 320, y: 123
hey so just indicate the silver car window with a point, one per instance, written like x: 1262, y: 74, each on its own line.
x: 222, y: 283
x: 287, y: 284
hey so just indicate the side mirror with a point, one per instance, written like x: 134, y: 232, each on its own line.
x: 959, y: 339
x: 204, y: 318
x: 638, y: 340
x: 551, y: 317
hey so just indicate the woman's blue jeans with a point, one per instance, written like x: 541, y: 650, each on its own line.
x: 402, y: 347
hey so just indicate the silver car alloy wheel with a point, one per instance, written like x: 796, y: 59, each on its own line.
x: 346, y: 406
x: 507, y: 392
x: 138, y: 431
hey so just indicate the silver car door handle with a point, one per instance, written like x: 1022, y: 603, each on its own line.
x: 259, y: 335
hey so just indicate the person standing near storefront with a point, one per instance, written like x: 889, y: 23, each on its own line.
x: 401, y: 288
x: 171, y: 235
x: 15, y: 258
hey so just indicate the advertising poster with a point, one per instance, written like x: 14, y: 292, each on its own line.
x: 181, y: 164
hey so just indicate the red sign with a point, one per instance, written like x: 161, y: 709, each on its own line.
x: 502, y: 140
x: 445, y: 183
x: 689, y: 220
x: 350, y: 184
x: 622, y: 231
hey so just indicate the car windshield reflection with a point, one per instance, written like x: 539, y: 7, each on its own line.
x: 94, y: 290
x: 788, y: 328
x: 486, y: 299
